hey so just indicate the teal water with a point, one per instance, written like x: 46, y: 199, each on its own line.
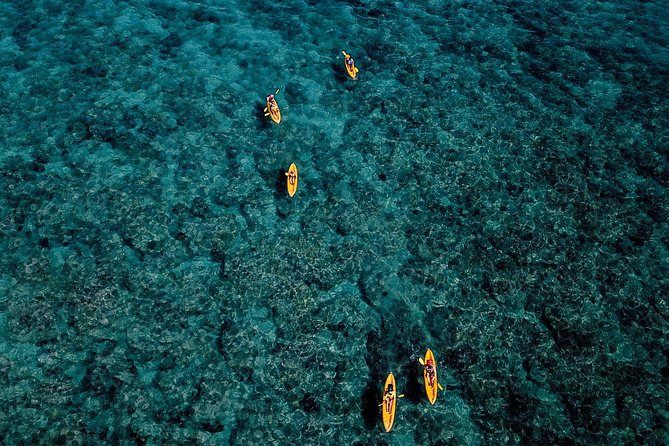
x: 493, y: 186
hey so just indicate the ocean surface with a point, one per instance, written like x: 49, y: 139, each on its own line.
x: 493, y: 186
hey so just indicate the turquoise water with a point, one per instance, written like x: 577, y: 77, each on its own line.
x: 492, y: 186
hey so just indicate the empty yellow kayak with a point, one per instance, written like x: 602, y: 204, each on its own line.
x: 431, y: 384
x: 291, y: 180
x: 389, y: 402
x: 352, y: 71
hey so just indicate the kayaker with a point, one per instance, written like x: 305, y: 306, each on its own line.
x: 349, y: 63
x: 272, y: 103
x: 291, y: 177
x: 429, y: 371
x: 389, y: 397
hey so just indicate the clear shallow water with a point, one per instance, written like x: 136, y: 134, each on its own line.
x: 494, y: 186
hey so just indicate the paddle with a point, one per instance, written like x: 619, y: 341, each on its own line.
x: 265, y: 109
x: 422, y: 362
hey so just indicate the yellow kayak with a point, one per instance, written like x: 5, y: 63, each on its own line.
x: 389, y: 402
x: 274, y: 114
x: 431, y: 386
x: 353, y: 72
x: 291, y: 180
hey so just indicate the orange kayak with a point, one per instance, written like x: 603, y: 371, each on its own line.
x: 431, y: 387
x: 291, y: 180
x: 389, y: 402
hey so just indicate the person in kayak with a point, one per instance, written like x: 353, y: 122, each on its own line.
x: 429, y: 372
x: 291, y: 177
x: 389, y: 397
x: 350, y: 63
x: 272, y: 104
